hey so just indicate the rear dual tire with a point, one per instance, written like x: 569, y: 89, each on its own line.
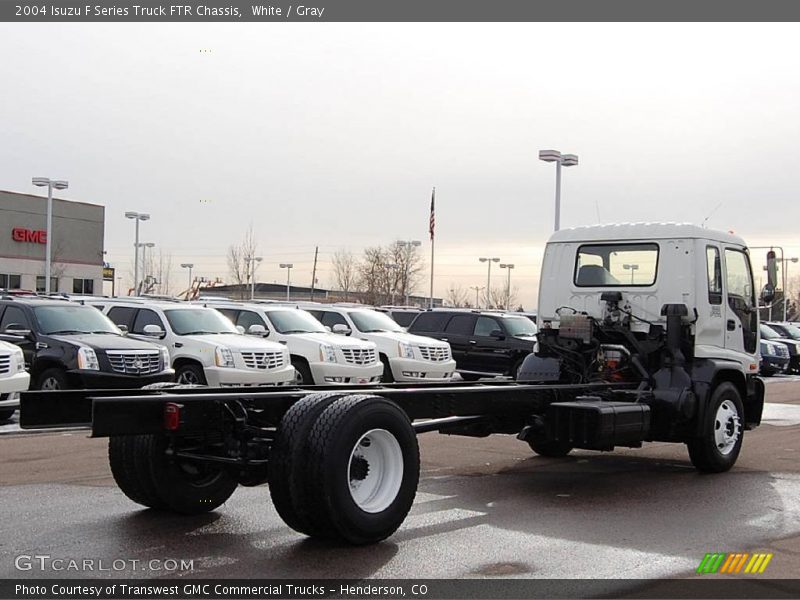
x: 353, y: 475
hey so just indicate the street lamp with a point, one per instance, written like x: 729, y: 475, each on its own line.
x: 408, y: 245
x: 565, y: 160
x: 477, y: 291
x: 250, y: 262
x: 59, y: 185
x: 288, y: 267
x: 138, y: 217
x: 144, y: 246
x: 488, y: 278
x: 632, y: 267
x: 189, y: 266
x: 508, y: 266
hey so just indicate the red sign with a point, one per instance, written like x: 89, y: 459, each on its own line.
x: 20, y: 234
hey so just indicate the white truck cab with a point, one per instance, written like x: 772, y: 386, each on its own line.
x: 652, y: 265
x: 205, y: 348
x: 405, y: 357
x: 13, y: 378
x: 319, y: 356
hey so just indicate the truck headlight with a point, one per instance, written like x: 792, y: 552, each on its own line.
x: 327, y: 353
x: 405, y: 350
x: 770, y: 349
x: 87, y: 359
x: 165, y: 361
x: 19, y: 357
x: 223, y: 357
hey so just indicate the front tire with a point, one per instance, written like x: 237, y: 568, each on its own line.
x: 53, y: 379
x: 551, y: 449
x: 387, y: 371
x: 7, y: 413
x: 190, y: 374
x: 363, y: 469
x: 717, y: 449
x: 304, y: 376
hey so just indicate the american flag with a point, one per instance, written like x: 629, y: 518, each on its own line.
x: 432, y: 222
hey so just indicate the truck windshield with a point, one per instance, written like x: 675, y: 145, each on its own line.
x: 196, y: 321
x: 294, y: 321
x: 519, y: 326
x: 73, y: 320
x: 616, y: 265
x: 370, y: 320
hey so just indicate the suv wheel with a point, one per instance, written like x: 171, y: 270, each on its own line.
x: 53, y: 379
x: 190, y: 374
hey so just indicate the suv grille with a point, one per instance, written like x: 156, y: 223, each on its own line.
x: 263, y: 360
x: 5, y: 363
x: 782, y: 350
x: 134, y: 362
x: 435, y: 353
x: 359, y: 356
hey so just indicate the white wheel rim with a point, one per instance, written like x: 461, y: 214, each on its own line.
x: 51, y: 383
x: 188, y: 377
x: 727, y: 427
x: 375, y: 470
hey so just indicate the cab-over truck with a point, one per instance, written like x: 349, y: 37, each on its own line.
x: 649, y: 332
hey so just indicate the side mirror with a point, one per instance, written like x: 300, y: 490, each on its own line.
x: 256, y: 329
x: 341, y: 329
x: 498, y: 334
x: 153, y: 331
x: 767, y: 294
x: 772, y: 270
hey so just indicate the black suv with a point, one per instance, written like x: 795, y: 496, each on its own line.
x: 69, y: 345
x: 484, y: 344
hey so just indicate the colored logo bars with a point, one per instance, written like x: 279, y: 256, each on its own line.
x: 735, y: 562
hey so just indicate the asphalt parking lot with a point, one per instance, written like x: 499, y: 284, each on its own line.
x: 485, y: 508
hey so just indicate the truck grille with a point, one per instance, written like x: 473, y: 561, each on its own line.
x: 263, y: 360
x: 435, y: 353
x: 782, y: 350
x: 359, y: 356
x: 134, y: 362
x: 5, y: 363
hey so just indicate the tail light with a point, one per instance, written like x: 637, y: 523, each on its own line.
x: 172, y: 416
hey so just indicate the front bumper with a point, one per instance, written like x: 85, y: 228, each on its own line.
x: 226, y: 377
x: 10, y: 388
x: 84, y: 379
x: 410, y: 369
x: 774, y: 364
x: 327, y: 373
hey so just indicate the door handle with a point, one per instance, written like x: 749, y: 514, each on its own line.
x: 178, y: 345
x: 473, y: 342
x: 731, y: 325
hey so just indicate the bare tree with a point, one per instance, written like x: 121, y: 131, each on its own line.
x: 409, y: 267
x: 345, y: 272
x: 457, y: 296
x: 501, y: 297
x: 240, y: 258
x: 158, y: 269
x: 372, y: 275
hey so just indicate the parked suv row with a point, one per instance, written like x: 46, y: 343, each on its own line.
x: 484, y: 344
x: 69, y: 345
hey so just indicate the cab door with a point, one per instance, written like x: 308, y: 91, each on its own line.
x: 741, y: 315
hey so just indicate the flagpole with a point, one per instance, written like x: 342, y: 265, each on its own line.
x: 431, y: 226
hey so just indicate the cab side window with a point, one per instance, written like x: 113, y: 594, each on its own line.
x: 460, y: 325
x: 714, y: 270
x: 486, y: 325
x: 248, y: 318
x: 146, y: 317
x: 329, y: 319
x: 14, y: 316
x: 122, y: 315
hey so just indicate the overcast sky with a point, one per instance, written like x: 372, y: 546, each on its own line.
x: 334, y: 134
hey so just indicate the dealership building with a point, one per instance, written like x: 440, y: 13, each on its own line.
x: 77, y: 244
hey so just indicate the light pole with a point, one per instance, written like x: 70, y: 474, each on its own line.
x: 59, y: 185
x: 189, y: 266
x: 138, y: 217
x: 144, y: 246
x: 566, y: 160
x: 250, y: 262
x: 489, y: 278
x: 408, y: 245
x: 632, y: 267
x: 508, y: 266
x: 288, y: 267
x: 477, y: 291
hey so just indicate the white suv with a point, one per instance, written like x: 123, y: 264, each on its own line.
x: 205, y: 348
x: 13, y: 378
x: 405, y: 357
x: 318, y: 356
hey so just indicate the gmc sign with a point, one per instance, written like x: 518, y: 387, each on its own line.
x: 20, y: 234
